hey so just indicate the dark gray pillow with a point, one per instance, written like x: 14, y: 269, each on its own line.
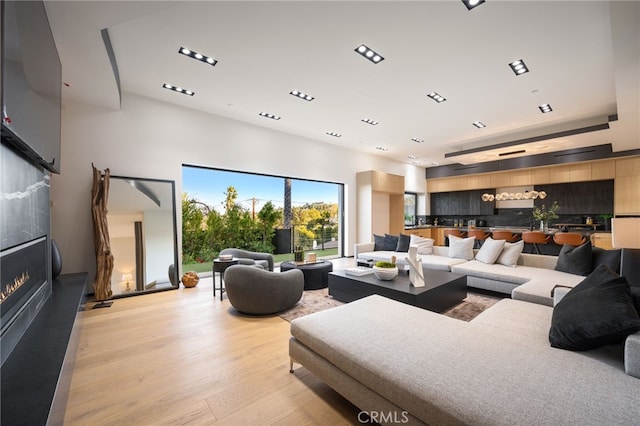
x: 611, y: 258
x: 390, y: 242
x: 403, y: 243
x: 597, y: 312
x: 378, y: 242
x: 575, y: 260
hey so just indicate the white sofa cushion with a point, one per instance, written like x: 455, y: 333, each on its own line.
x: 425, y: 245
x: 490, y: 251
x: 510, y: 253
x: 461, y: 248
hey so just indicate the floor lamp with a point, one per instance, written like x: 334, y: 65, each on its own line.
x: 625, y: 234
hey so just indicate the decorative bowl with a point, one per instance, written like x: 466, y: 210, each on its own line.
x: 385, y: 274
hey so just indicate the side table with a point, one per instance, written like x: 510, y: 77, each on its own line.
x: 221, y: 266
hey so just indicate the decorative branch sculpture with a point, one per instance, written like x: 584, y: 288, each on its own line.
x: 104, y: 257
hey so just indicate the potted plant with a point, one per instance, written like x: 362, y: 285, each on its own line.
x: 385, y: 271
x: 543, y: 215
x: 606, y: 221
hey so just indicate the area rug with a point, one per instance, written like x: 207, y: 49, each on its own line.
x: 319, y: 300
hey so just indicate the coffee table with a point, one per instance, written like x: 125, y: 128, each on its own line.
x: 442, y: 289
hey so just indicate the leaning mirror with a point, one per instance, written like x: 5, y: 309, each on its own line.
x: 142, y: 230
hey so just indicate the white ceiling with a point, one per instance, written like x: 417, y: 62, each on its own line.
x: 584, y: 58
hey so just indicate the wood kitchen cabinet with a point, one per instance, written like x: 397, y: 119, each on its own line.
x: 421, y: 232
x: 627, y: 187
x: 461, y: 203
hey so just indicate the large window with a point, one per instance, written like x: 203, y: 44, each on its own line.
x: 410, y: 208
x: 224, y: 208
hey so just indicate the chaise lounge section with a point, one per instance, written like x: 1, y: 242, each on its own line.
x: 498, y: 369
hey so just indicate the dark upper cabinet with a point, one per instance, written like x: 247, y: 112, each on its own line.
x: 579, y: 198
x: 463, y: 203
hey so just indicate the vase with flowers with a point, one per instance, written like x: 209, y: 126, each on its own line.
x: 544, y: 214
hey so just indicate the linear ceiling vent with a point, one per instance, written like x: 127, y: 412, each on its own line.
x: 520, y: 151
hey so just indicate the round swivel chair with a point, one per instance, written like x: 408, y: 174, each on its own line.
x: 534, y: 238
x: 256, y: 291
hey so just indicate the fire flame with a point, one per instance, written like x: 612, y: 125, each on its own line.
x: 12, y: 288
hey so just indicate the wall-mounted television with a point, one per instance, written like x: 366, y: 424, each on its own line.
x: 31, y: 83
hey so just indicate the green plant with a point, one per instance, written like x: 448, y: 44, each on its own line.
x: 542, y: 213
x: 382, y: 264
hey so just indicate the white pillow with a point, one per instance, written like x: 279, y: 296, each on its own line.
x: 490, y: 251
x: 511, y: 253
x: 425, y: 245
x: 461, y: 248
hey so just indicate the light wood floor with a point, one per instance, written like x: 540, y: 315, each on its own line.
x: 182, y: 357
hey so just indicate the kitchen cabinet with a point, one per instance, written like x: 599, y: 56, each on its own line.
x: 602, y: 170
x: 421, y: 232
x: 438, y: 236
x: 579, y: 198
x: 379, y: 204
x: 578, y: 172
x: 627, y: 188
x: 461, y: 203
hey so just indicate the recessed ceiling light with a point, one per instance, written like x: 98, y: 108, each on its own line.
x: 382, y: 148
x: 178, y: 89
x: 334, y: 134
x: 418, y: 140
x: 545, y: 108
x: 301, y: 95
x: 369, y: 54
x: 436, y: 97
x: 271, y: 116
x: 435, y: 163
x: 411, y: 157
x: 199, y: 56
x: 369, y: 121
x: 519, y: 67
x: 479, y: 124
x: 472, y: 3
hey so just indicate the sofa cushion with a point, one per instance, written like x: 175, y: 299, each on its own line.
x: 403, y: 243
x: 490, y: 251
x: 511, y: 253
x: 441, y: 263
x: 425, y: 245
x: 461, y: 248
x: 597, y: 312
x: 378, y: 242
x: 575, y: 260
x: 611, y: 258
x: 383, y: 256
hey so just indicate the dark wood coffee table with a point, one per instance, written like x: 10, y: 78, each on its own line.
x: 442, y: 289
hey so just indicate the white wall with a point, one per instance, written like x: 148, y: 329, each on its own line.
x: 158, y: 245
x: 150, y: 139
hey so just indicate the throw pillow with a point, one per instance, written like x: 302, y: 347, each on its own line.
x: 575, y: 260
x: 461, y: 248
x: 403, y: 243
x: 510, y: 254
x: 425, y: 245
x: 597, y: 312
x: 490, y: 251
x: 378, y: 242
x: 390, y: 242
x: 635, y: 295
x: 611, y: 258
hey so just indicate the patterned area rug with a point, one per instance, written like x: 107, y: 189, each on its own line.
x: 319, y: 300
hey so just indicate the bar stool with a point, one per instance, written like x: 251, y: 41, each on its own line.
x: 571, y: 238
x: 508, y: 236
x: 535, y: 238
x: 480, y: 236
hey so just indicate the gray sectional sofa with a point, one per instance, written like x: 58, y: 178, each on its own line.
x: 421, y: 367
x: 517, y: 363
x: 531, y: 280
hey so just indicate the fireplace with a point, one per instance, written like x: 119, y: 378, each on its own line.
x: 24, y: 288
